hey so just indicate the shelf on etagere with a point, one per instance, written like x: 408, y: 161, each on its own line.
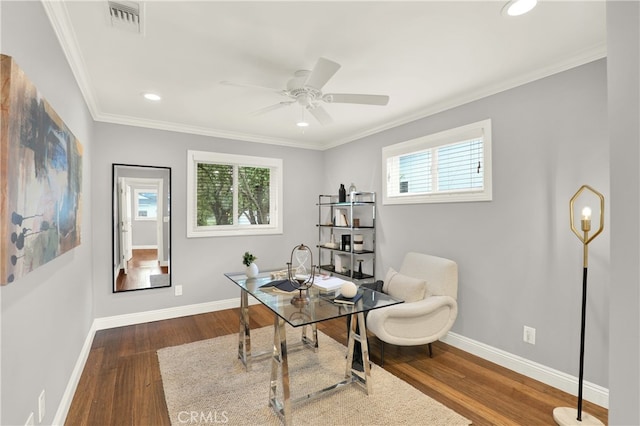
x: 337, y: 250
x: 356, y: 275
x: 335, y: 223
x: 346, y: 227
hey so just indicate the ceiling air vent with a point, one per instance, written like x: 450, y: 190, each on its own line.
x: 126, y: 15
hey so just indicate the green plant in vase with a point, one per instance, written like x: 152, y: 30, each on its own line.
x: 248, y: 261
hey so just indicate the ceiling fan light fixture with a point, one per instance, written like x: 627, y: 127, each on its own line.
x: 152, y: 96
x: 302, y: 122
x: 518, y: 7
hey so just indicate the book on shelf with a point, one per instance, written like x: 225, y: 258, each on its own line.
x: 348, y: 300
x: 340, y: 217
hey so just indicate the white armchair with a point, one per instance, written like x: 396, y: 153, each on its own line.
x: 429, y: 287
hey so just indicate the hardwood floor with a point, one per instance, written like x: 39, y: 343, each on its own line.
x: 142, y: 265
x: 121, y: 383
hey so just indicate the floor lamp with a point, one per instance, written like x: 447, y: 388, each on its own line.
x: 564, y: 415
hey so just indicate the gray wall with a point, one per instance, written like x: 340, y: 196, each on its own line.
x: 46, y: 315
x: 623, y: 39
x: 144, y: 234
x: 519, y: 262
x: 197, y: 264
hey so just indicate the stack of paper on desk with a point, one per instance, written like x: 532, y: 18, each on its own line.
x: 328, y: 284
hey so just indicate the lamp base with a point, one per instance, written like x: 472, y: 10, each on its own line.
x: 565, y: 416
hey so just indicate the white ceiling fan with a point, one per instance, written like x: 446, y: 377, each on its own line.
x: 305, y: 89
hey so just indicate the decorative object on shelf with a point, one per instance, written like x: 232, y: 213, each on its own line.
x: 341, y: 263
x: 342, y: 194
x: 352, y: 189
x: 332, y: 242
x: 301, y: 272
x: 359, y: 273
x: 356, y: 222
x: 340, y: 217
x: 358, y: 242
x: 346, y: 242
x: 248, y: 261
x: 566, y: 415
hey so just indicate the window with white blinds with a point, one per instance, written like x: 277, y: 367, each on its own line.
x: 231, y: 195
x: 450, y: 166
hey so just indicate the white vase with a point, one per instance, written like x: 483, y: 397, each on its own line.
x: 252, y: 270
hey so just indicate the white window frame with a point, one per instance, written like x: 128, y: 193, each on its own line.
x: 275, y: 195
x: 136, y: 206
x: 432, y: 142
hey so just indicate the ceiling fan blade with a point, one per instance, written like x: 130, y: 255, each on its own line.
x: 251, y: 86
x: 320, y: 114
x: 321, y: 73
x: 348, y: 98
x: 272, y: 107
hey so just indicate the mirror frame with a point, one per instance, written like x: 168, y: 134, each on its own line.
x: 115, y: 214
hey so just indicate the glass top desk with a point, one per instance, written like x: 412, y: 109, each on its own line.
x: 320, y: 308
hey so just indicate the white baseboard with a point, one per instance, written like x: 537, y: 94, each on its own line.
x: 72, y: 384
x: 168, y: 313
x: 131, y: 319
x: 565, y: 382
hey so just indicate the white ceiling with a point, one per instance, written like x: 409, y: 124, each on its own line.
x: 427, y: 56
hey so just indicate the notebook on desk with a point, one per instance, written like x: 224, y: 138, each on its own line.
x: 348, y: 300
x: 286, y: 286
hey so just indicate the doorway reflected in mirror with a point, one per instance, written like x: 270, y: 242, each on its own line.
x: 141, y: 227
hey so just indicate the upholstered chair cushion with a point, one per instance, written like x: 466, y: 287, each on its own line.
x: 404, y: 287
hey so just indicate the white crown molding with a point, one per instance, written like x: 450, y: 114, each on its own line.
x: 58, y: 15
x: 594, y: 53
x: 60, y: 21
x: 203, y: 131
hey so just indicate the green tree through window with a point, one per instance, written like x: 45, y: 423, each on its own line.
x: 233, y: 195
x: 215, y: 194
x: 253, y: 195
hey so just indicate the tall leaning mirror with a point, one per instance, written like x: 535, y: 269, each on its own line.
x: 141, y: 204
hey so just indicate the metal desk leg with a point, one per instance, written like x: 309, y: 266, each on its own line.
x: 313, y: 342
x: 281, y: 407
x: 361, y: 377
x: 244, y: 335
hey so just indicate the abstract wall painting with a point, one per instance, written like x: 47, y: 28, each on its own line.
x: 40, y: 178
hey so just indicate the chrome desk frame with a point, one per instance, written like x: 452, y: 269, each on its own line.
x: 319, y: 309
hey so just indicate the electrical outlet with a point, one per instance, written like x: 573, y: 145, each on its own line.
x: 178, y: 290
x: 41, y: 407
x: 529, y: 335
x: 29, y: 421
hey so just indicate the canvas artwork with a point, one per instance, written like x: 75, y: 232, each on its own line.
x: 40, y: 178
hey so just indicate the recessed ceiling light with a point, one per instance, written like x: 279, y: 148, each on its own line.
x: 302, y: 124
x: 518, y: 7
x: 152, y: 97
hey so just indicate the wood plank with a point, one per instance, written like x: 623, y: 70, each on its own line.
x: 121, y: 382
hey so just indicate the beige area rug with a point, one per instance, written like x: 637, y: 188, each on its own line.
x: 205, y: 383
